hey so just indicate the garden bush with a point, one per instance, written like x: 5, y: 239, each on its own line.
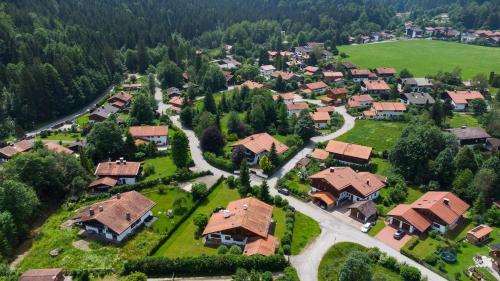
x: 203, y: 265
x: 409, y: 273
x: 218, y: 161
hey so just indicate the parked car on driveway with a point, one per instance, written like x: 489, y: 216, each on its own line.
x: 399, y: 234
x: 366, y: 227
x: 284, y: 191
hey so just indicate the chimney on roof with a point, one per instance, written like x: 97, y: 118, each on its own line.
x: 226, y: 213
x: 91, y: 212
x: 332, y: 169
x: 118, y: 196
x: 101, y: 208
x: 368, y: 181
x: 121, y: 159
x: 117, y: 162
x: 245, y: 206
x: 124, y: 162
x: 446, y: 201
x: 129, y: 217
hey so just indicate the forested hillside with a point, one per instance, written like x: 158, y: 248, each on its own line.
x: 56, y: 55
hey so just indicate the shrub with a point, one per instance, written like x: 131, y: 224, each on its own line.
x: 413, y: 243
x: 222, y: 250
x: 374, y: 254
x: 231, y: 182
x: 287, y: 249
x: 409, y: 273
x: 388, y: 262
x: 199, y: 191
x: 149, y: 169
x: 203, y: 265
x: 136, y: 276
x: 431, y: 259
x: 278, y: 201
x: 267, y: 276
x: 235, y: 250
x: 219, y: 162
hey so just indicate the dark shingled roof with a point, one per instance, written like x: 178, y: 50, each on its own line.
x: 467, y: 133
x: 367, y: 208
x: 419, y: 98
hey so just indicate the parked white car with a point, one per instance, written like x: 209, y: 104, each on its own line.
x: 366, y: 227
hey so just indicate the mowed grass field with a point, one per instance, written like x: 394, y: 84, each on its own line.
x: 381, y: 135
x: 424, y: 57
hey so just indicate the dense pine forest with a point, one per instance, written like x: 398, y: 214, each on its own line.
x: 57, y: 55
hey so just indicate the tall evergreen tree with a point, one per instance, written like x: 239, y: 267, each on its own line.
x: 209, y: 103
x: 180, y: 149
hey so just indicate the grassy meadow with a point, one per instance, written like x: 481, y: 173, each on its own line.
x: 381, y: 135
x: 424, y: 57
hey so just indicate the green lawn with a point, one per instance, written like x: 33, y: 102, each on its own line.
x: 182, y: 241
x: 305, y: 230
x: 82, y: 119
x: 164, y: 197
x: 335, y: 257
x: 458, y: 120
x: 383, y: 166
x: 164, y: 166
x: 413, y: 194
x: 379, y: 225
x: 465, y: 252
x: 61, y: 136
x: 100, y: 255
x: 424, y: 57
x: 381, y: 135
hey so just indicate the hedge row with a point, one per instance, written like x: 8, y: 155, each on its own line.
x: 203, y: 265
x: 182, y: 175
x: 171, y: 231
x: 218, y: 161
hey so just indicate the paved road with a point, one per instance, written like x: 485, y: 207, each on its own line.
x: 73, y: 115
x: 162, y: 107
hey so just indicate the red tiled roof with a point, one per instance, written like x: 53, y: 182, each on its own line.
x: 463, y: 97
x: 369, y: 113
x: 58, y: 148
x: 297, y: 106
x: 113, y: 212
x: 480, y: 231
x: 267, y: 67
x: 114, y: 169
x: 320, y: 116
x: 361, y: 98
x: 312, y: 69
x: 411, y: 216
x: 285, y: 75
x: 251, y: 85
x: 316, y: 85
x: 325, y: 197
x: 285, y: 96
x: 328, y: 109
x: 360, y: 72
x: 262, y: 246
x: 349, y: 149
x: 435, y: 202
x: 177, y: 101
x: 339, y: 91
x: 385, y: 71
x: 320, y: 154
x: 148, y: 131
x: 121, y: 96
x: 250, y: 214
x: 389, y: 106
x: 104, y: 181
x: 341, y: 178
x: 377, y: 85
x: 259, y: 143
x: 326, y: 100
x: 333, y: 74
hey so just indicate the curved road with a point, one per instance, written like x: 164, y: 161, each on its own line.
x: 335, y: 227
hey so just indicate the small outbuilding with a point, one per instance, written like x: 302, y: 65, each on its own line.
x: 364, y: 210
x: 479, y: 234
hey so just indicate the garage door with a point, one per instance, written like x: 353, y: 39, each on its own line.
x: 396, y: 223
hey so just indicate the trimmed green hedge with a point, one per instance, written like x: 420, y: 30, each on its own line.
x: 203, y: 265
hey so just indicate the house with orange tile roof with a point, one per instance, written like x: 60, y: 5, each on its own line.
x: 321, y: 119
x: 287, y: 76
x: 151, y: 134
x: 312, y: 70
x: 251, y: 85
x: 375, y: 87
x: 9, y: 151
x: 296, y: 107
x: 329, y: 109
x: 120, y: 100
x: 177, y: 103
x: 335, y: 185
x: 333, y: 76
x: 55, y: 147
x: 384, y: 110
x: 359, y: 75
x: 246, y: 223
x: 117, y: 218
x: 315, y: 87
x: 348, y: 152
x: 258, y: 145
x: 385, y: 73
x: 103, y: 184
x: 439, y: 210
x: 338, y: 95
x: 288, y: 98
x: 320, y: 154
x: 359, y: 101
x: 461, y: 99
x: 121, y: 170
